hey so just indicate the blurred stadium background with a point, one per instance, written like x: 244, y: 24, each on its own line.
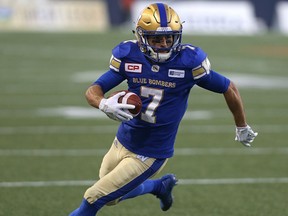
x: 52, y: 142
x: 200, y: 16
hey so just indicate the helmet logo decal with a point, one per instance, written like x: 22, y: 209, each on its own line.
x: 164, y: 29
x: 163, y: 15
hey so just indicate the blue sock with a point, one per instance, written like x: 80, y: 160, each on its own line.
x: 148, y: 186
x: 85, y: 209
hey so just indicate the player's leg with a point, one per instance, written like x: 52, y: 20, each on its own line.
x: 130, y: 173
x: 161, y: 188
x: 109, y: 162
x: 127, y: 175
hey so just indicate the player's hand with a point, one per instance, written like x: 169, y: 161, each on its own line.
x: 115, y: 110
x: 245, y: 135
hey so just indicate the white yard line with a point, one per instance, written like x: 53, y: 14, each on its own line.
x: 180, y: 182
x: 178, y: 152
x: 111, y: 129
x: 259, y: 81
x: 233, y: 181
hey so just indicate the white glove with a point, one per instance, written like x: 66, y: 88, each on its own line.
x: 245, y: 135
x: 115, y: 110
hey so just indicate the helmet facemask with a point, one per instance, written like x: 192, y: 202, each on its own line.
x: 159, y: 54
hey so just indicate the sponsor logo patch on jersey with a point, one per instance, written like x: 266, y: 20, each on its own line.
x: 176, y: 73
x: 133, y: 67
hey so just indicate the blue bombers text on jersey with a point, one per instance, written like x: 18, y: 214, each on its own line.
x: 164, y: 89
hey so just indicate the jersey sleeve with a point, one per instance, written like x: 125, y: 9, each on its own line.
x: 202, y: 69
x: 118, y: 53
x: 196, y: 59
x: 214, y: 82
x: 109, y: 80
x: 201, y: 65
x: 114, y: 76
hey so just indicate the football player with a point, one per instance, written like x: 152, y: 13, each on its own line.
x: 162, y: 71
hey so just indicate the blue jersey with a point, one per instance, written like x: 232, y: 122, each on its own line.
x: 163, y: 88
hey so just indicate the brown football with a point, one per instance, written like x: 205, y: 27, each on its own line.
x: 130, y: 98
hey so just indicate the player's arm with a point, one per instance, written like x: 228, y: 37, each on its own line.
x: 217, y: 83
x: 94, y: 95
x: 107, y: 81
x: 213, y: 81
x: 235, y: 104
x: 110, y: 106
x: 244, y: 132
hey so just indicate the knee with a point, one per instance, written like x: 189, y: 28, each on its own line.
x: 92, y: 194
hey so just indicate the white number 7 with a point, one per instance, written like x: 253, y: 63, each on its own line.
x: 157, y: 94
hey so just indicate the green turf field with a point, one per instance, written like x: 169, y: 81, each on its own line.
x: 52, y: 142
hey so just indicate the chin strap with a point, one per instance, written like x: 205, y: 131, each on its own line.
x: 159, y: 57
x: 164, y: 56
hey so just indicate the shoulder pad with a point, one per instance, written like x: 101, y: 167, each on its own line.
x: 192, y: 56
x: 196, y: 59
x: 124, y: 48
